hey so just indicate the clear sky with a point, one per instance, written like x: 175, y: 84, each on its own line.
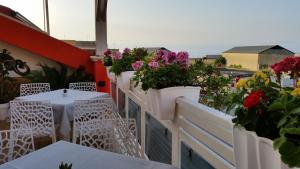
x: 197, y: 26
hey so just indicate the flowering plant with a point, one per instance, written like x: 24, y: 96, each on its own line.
x: 165, y: 69
x: 122, y: 62
x: 251, y: 102
x: 290, y: 66
x: 107, y: 58
x: 271, y: 111
x: 215, y: 87
x: 288, y: 143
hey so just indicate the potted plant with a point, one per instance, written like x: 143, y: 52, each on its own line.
x: 266, y: 114
x: 122, y: 65
x: 215, y: 87
x: 4, y: 97
x: 165, y: 77
x: 65, y: 166
x: 107, y: 61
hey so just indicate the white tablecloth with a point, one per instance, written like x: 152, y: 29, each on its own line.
x: 63, y: 106
x: 81, y: 158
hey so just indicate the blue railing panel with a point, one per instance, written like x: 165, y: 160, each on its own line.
x: 192, y: 160
x: 158, y: 141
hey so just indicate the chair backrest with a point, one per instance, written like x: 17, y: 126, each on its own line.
x: 115, y: 135
x: 127, y: 133
x: 88, y: 110
x: 99, y: 134
x: 34, y: 88
x: 83, y: 86
x: 14, y: 144
x: 35, y: 115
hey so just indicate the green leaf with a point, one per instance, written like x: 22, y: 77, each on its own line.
x: 290, y: 154
x: 278, y: 142
x: 276, y: 106
x: 295, y: 111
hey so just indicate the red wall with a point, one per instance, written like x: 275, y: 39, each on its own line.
x: 22, y: 36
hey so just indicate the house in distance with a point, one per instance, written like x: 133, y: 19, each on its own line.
x: 255, y: 57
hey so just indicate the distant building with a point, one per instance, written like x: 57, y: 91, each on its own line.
x: 209, y: 59
x: 155, y: 49
x: 256, y: 57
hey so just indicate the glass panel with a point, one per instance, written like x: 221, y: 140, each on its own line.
x: 158, y: 141
x: 113, y: 92
x: 192, y: 160
x: 134, y: 112
x: 121, y: 103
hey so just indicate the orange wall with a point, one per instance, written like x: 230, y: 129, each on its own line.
x: 39, y: 43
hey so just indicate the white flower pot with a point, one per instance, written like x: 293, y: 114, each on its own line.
x: 123, y: 81
x: 110, y: 75
x: 161, y: 103
x: 254, y: 152
x: 4, y: 111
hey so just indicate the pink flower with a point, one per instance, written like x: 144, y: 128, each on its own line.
x: 160, y: 54
x: 117, y: 56
x: 137, y: 65
x: 107, y: 52
x: 165, y: 59
x: 126, y: 51
x: 183, y: 59
x: 153, y: 65
x: 171, y: 57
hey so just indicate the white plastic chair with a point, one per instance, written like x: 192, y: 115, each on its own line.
x: 99, y: 134
x: 34, y: 88
x: 88, y: 110
x: 35, y: 115
x: 115, y: 135
x: 83, y: 86
x: 14, y: 144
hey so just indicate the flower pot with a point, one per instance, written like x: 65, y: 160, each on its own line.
x: 161, y: 103
x: 4, y: 111
x: 123, y: 81
x: 254, y: 152
x: 110, y: 75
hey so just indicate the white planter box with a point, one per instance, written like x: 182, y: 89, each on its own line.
x: 110, y: 75
x: 161, y: 103
x: 4, y: 111
x: 138, y: 91
x: 123, y: 81
x: 254, y: 152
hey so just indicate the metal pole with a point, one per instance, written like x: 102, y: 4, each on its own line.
x: 46, y: 17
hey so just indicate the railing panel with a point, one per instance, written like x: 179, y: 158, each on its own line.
x: 134, y: 111
x: 214, y: 122
x: 215, y: 144
x: 158, y: 141
x: 121, y: 103
x: 192, y: 160
x: 210, y: 156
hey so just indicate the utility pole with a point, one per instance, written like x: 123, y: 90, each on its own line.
x: 46, y: 17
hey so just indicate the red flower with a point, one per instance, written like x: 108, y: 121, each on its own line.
x: 107, y: 52
x: 287, y: 64
x: 253, y: 99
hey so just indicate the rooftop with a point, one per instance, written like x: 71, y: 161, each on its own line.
x: 253, y: 49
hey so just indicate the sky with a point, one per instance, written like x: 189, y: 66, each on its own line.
x: 197, y: 26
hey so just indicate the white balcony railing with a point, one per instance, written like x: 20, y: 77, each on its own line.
x: 205, y: 131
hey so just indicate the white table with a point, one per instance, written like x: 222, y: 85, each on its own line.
x: 81, y: 158
x: 63, y: 106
